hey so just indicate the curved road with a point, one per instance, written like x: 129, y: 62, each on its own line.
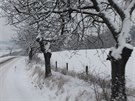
x: 14, y: 83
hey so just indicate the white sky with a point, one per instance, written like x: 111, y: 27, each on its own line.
x: 6, y: 31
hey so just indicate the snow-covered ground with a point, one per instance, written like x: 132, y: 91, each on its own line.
x: 15, y: 84
x: 4, y: 52
x: 78, y: 60
x: 22, y: 82
x: 7, y: 46
x: 60, y: 87
x: 95, y: 60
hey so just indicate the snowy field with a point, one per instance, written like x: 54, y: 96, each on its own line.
x: 95, y: 60
x: 4, y: 48
x: 73, y: 88
x: 4, y: 52
x: 78, y: 60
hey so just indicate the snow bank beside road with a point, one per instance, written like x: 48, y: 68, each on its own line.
x: 60, y: 87
x: 15, y: 85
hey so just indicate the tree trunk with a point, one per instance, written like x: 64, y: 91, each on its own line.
x: 47, y: 64
x: 30, y: 53
x: 118, y: 76
x: 47, y: 57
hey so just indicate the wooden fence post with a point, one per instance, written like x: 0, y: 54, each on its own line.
x: 67, y: 66
x: 56, y: 68
x: 86, y: 70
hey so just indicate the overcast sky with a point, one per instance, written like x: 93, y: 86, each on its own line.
x: 6, y: 31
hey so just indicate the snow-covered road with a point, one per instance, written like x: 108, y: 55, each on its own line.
x: 14, y: 83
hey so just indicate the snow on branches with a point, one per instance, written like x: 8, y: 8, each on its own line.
x: 123, y: 38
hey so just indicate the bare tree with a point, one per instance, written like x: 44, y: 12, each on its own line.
x: 10, y: 50
x: 26, y: 39
x: 65, y: 18
x: 23, y: 14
